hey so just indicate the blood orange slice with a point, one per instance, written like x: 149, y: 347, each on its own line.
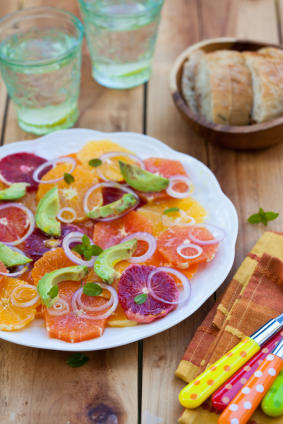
x: 133, y: 282
x: 14, y: 224
x: 169, y: 240
x: 19, y: 168
x: 72, y: 328
x: 108, y: 234
x: 167, y: 168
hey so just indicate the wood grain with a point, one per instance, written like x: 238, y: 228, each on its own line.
x: 162, y: 353
x: 37, y: 385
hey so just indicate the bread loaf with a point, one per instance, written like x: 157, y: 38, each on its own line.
x: 188, y: 79
x: 223, y: 88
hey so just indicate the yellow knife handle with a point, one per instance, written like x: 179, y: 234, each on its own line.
x: 195, y: 393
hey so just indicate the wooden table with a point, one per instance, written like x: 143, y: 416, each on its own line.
x: 136, y: 383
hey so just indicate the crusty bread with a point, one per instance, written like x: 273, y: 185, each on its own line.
x: 271, y: 51
x: 224, y: 88
x: 188, y: 79
x: 267, y: 79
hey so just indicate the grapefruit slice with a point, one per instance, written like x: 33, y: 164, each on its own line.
x: 69, y: 327
x: 166, y: 168
x: 14, y: 224
x: 39, y: 243
x: 169, y: 240
x: 133, y: 282
x: 19, y: 168
x: 154, y: 211
x: 11, y: 317
x: 108, y: 234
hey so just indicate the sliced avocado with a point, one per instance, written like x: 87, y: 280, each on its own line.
x: 11, y: 258
x: 14, y: 192
x: 104, y: 264
x: 72, y: 273
x: 142, y: 180
x: 121, y: 205
x: 47, y: 211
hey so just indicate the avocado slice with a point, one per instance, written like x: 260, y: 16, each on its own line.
x: 14, y: 192
x: 142, y: 180
x: 121, y: 205
x: 104, y: 264
x: 71, y: 273
x: 47, y: 211
x: 11, y: 258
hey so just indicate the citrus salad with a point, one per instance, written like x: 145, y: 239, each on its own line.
x: 97, y: 238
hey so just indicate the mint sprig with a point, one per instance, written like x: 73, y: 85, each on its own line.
x: 68, y: 178
x: 86, y: 249
x: 95, y: 163
x: 92, y: 289
x: 140, y: 298
x: 171, y: 210
x: 77, y: 360
x: 53, y: 292
x: 263, y: 217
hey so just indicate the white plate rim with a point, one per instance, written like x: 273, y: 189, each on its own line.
x: 90, y: 345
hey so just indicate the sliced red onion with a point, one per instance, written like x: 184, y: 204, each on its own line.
x: 76, y: 237
x: 92, y: 308
x: 167, y: 222
x: 53, y: 162
x: 112, y: 185
x: 30, y: 218
x: 67, y: 221
x: 59, y: 308
x: 107, y: 156
x: 217, y: 233
x: 193, y: 246
x: 177, y: 179
x: 82, y: 314
x: 149, y: 238
x: 24, y: 304
x: 184, y: 280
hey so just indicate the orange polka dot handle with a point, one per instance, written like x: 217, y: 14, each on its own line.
x: 195, y: 393
x: 241, y: 408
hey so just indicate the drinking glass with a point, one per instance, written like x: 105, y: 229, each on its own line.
x: 121, y: 36
x: 40, y: 59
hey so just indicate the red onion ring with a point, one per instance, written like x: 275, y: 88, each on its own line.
x: 109, y: 155
x: 57, y: 309
x: 76, y: 236
x: 93, y: 308
x: 112, y: 185
x: 31, y: 222
x: 24, y: 304
x: 81, y: 313
x: 220, y: 234
x: 67, y: 221
x: 149, y: 238
x: 53, y: 162
x: 177, y: 195
x: 193, y: 246
x: 184, y: 280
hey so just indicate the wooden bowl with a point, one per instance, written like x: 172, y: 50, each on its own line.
x: 248, y: 137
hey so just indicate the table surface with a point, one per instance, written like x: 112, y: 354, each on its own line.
x: 136, y: 383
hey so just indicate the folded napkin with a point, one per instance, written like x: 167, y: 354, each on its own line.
x: 254, y: 296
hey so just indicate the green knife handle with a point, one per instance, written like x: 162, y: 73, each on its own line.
x: 272, y: 403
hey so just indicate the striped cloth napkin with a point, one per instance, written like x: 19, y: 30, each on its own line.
x: 254, y: 296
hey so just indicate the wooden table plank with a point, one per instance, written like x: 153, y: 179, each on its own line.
x: 37, y: 385
x: 162, y: 353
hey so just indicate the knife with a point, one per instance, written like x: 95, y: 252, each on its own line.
x: 272, y: 403
x: 195, y: 393
x: 231, y: 387
x: 242, y: 407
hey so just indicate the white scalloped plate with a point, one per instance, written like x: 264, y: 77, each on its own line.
x: 221, y: 212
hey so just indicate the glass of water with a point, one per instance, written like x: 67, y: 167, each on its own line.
x: 121, y: 36
x: 40, y: 59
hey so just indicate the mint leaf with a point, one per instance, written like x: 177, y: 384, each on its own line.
x: 79, y: 249
x: 87, y: 254
x: 86, y: 241
x: 140, y: 298
x: 95, y: 162
x: 96, y: 250
x: 261, y: 212
x: 69, y: 179
x: 171, y: 210
x: 255, y: 219
x: 270, y: 216
x: 92, y: 289
x: 53, y: 292
x: 77, y: 360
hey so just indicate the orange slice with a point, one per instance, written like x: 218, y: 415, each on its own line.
x: 11, y: 317
x: 72, y: 195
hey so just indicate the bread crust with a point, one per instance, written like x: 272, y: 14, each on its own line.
x: 188, y: 79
